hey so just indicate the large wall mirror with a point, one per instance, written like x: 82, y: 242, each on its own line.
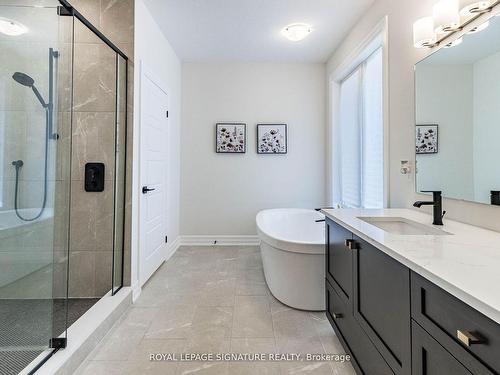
x: 458, y: 118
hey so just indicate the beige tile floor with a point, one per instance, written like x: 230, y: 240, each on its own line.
x: 213, y: 300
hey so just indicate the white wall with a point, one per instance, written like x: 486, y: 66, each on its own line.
x: 153, y: 51
x: 440, y: 88
x: 221, y: 193
x: 402, y: 58
x: 486, y: 127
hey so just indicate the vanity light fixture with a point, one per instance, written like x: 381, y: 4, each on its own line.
x: 423, y: 33
x: 297, y: 31
x: 454, y: 43
x: 450, y: 16
x: 473, y: 7
x: 12, y: 28
x: 479, y: 28
x: 446, y: 16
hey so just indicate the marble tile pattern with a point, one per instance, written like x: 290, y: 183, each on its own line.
x: 213, y: 299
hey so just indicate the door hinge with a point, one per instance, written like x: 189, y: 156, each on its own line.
x: 166, y: 239
x: 63, y: 11
x: 58, y: 343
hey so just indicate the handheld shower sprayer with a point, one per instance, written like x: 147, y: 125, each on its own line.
x: 27, y: 81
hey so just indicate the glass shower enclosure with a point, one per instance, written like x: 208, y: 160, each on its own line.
x: 63, y: 122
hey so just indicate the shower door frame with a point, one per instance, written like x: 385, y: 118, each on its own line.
x: 67, y: 9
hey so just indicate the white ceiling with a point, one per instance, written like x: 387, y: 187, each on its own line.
x: 249, y: 30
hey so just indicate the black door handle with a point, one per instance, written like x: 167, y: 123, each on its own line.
x: 146, y: 190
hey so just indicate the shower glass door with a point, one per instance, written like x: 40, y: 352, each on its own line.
x: 36, y: 49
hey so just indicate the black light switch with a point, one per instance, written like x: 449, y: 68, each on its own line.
x: 94, y: 177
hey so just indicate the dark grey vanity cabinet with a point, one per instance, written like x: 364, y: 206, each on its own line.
x: 382, y: 303
x: 393, y: 321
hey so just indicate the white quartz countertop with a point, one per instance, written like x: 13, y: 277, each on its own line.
x: 465, y: 263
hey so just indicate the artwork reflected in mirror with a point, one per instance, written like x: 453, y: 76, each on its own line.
x: 426, y: 139
x: 459, y: 89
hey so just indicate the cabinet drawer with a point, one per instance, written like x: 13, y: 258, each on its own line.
x: 366, y: 359
x: 338, y: 259
x: 443, y: 316
x: 430, y: 358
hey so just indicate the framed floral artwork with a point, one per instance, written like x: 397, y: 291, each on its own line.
x: 231, y: 138
x: 427, y: 139
x: 272, y: 139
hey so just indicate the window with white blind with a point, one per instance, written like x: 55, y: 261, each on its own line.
x: 360, y: 136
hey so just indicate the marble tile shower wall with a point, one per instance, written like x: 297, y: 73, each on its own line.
x: 93, y: 137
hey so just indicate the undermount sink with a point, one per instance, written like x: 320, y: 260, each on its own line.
x: 402, y: 226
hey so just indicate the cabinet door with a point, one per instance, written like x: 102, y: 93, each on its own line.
x: 382, y: 303
x: 339, y: 260
x: 430, y: 358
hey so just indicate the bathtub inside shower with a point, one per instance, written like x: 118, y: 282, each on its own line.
x: 26, y: 246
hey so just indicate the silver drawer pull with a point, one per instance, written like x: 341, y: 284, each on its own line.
x: 467, y: 338
x: 337, y: 316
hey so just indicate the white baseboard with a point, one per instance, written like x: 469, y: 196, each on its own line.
x: 173, y: 247
x: 219, y: 240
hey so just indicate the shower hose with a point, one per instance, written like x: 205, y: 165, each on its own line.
x: 18, y: 166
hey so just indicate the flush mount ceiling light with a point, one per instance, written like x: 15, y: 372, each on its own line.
x: 479, y: 28
x: 446, y: 16
x: 297, y: 31
x: 12, y: 28
x: 473, y: 7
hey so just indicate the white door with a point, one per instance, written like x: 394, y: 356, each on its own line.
x: 153, y: 176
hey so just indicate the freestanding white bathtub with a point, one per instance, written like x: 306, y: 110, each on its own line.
x: 292, y: 246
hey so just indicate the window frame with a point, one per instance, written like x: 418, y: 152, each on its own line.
x: 375, y: 40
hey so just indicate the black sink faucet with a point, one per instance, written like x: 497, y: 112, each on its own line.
x: 437, y: 202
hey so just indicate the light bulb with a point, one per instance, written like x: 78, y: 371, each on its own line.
x: 446, y: 16
x: 473, y: 7
x: 12, y: 28
x: 297, y: 31
x: 423, y: 33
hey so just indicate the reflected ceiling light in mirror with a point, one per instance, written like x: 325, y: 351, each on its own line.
x: 423, y: 33
x: 479, y: 28
x: 446, y: 16
x: 454, y: 43
x: 473, y: 7
x: 12, y: 28
x: 297, y: 31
